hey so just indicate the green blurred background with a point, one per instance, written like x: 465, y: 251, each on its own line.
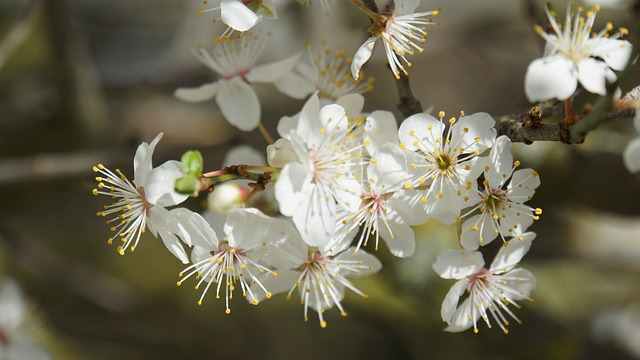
x: 89, y: 79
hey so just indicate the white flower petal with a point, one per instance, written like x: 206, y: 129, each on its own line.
x: 250, y: 228
x: 165, y: 226
x: 283, y: 282
x: 363, y: 258
x: 411, y: 211
x: 239, y: 104
x: 309, y: 122
x: 334, y: 119
x: 289, y: 186
x: 316, y: 215
x: 477, y: 230
x: 362, y: 56
x: 458, y: 264
x: 198, y: 94
x: 474, y: 132
x: 273, y: 71
x: 521, y: 282
x: 464, y: 317
x: 451, y: 300
x: 295, y: 86
x: 380, y: 128
x: 523, y: 185
x: 500, y: 163
x: 143, y: 160
x: 510, y: 255
x: 193, y: 229
x: 552, y: 77
x: 280, y: 153
x: 592, y: 74
x: 237, y: 16
x: 287, y: 124
x: 401, y: 241
x: 615, y: 52
x: 421, y: 132
x: 632, y: 156
x: 391, y: 166
x: 160, y: 186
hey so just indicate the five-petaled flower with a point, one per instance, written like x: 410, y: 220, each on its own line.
x: 141, y: 203
x: 501, y: 203
x: 319, y: 274
x: 573, y: 54
x: 490, y: 291
x: 402, y: 31
x: 442, y: 160
x: 234, y: 260
x: 234, y: 60
x: 320, y: 171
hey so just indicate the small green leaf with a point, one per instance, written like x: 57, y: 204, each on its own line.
x: 187, y: 184
x: 192, y: 163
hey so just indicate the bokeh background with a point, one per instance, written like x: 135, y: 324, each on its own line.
x: 84, y: 81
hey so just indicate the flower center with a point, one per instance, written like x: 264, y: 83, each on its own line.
x: 479, y: 277
x: 444, y: 161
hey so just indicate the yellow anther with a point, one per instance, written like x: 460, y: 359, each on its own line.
x: 538, y: 211
x: 441, y: 115
x: 538, y: 29
x: 408, y: 185
x: 624, y: 31
x: 268, y: 295
x: 94, y: 192
x: 227, y: 311
x: 323, y: 324
x: 452, y: 120
x: 516, y: 163
x: 109, y: 241
x: 120, y: 250
x: 179, y: 283
x: 199, y: 302
x: 424, y: 199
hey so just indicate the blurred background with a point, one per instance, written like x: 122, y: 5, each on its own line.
x: 84, y: 81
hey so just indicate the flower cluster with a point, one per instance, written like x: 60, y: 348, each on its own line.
x: 346, y: 180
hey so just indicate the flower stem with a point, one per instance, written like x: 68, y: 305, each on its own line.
x: 265, y: 134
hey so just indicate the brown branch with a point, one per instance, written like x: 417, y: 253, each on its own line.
x: 408, y: 103
x: 530, y: 126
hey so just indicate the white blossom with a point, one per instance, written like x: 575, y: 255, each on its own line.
x: 241, y: 15
x: 402, y: 31
x: 311, y: 185
x: 632, y: 152
x: 320, y: 275
x: 235, y: 259
x: 384, y: 211
x: 234, y: 60
x: 141, y: 203
x: 324, y: 71
x: 500, y: 209
x: 15, y: 342
x: 442, y: 161
x: 490, y: 291
x: 574, y: 55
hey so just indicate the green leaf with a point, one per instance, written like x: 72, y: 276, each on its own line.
x: 187, y: 184
x: 192, y: 163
